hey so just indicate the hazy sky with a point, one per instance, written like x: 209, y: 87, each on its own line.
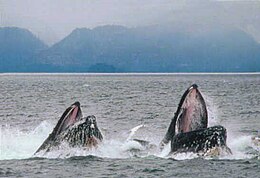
x: 51, y: 20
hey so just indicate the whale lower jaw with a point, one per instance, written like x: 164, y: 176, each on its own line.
x: 72, y: 139
x: 208, y: 141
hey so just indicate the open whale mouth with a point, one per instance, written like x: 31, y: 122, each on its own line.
x: 192, y: 112
x: 71, y: 115
x: 188, y: 131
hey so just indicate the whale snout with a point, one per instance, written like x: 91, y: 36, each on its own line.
x: 193, y: 86
x: 91, y: 120
x: 91, y: 123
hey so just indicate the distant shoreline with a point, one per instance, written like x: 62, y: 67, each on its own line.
x: 134, y: 73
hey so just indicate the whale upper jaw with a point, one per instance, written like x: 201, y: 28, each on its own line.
x: 70, y: 116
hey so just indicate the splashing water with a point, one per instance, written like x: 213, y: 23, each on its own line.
x: 17, y: 144
x: 134, y: 130
x: 239, y: 144
x: 212, y: 111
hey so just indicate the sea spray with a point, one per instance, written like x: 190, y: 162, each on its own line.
x: 18, y: 144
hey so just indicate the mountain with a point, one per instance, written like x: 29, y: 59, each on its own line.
x: 154, y: 49
x: 111, y: 48
x: 17, y: 49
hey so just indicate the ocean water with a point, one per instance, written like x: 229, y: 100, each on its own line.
x: 126, y: 106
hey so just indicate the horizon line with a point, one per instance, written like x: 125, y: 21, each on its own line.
x: 128, y: 73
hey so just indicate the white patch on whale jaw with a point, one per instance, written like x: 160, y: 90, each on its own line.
x: 256, y: 141
x: 216, y: 151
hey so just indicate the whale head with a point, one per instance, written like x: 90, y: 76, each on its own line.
x: 84, y: 133
x: 73, y: 129
x: 191, y: 114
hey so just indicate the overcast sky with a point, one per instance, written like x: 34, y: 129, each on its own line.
x: 52, y: 20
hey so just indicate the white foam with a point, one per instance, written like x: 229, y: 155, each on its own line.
x: 17, y: 144
x: 109, y: 148
x: 184, y: 156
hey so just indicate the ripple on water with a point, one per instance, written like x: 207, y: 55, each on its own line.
x: 33, y: 103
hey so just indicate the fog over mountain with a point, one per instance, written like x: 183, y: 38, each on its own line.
x: 145, y: 49
x: 129, y: 36
x: 17, y: 49
x: 52, y: 21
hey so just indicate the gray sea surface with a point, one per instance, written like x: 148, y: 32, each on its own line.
x: 31, y: 105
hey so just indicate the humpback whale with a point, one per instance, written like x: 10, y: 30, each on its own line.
x: 189, y: 131
x: 74, y: 129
